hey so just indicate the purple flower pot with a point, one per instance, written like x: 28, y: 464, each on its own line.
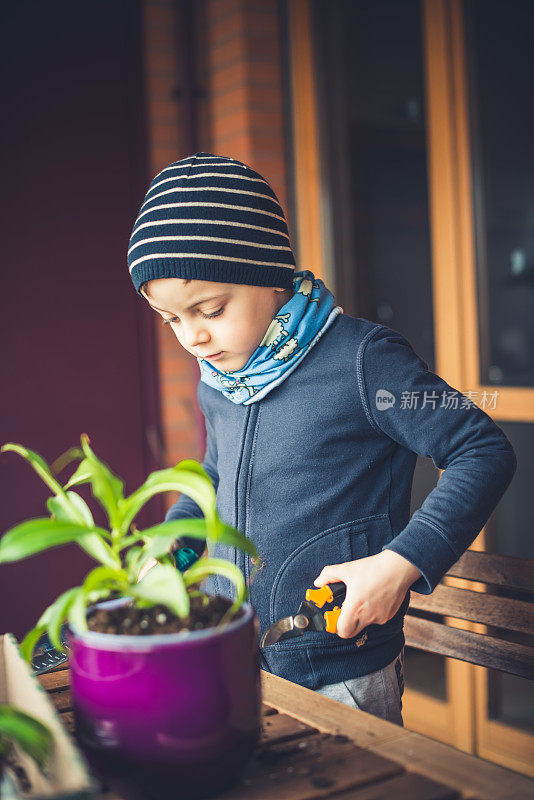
x: 176, y: 715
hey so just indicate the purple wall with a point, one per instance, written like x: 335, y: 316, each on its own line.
x: 77, y: 347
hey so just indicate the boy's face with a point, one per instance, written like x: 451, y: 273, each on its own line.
x: 231, y: 318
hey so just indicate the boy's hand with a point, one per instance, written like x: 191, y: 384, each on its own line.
x: 376, y: 587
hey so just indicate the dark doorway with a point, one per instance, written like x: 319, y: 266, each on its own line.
x: 77, y: 350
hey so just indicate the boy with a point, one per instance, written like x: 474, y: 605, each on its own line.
x: 311, y: 444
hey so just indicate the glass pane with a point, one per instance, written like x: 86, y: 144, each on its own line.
x: 500, y: 60
x: 509, y: 532
x: 425, y: 672
x: 425, y: 479
x: 511, y: 700
x: 509, y: 529
x: 373, y: 154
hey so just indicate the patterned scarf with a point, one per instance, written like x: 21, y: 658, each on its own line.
x: 297, y: 326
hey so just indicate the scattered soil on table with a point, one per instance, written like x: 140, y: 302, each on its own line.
x: 206, y: 611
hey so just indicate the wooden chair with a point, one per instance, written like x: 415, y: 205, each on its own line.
x: 508, y: 644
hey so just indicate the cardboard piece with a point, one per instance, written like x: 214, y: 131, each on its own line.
x: 67, y: 772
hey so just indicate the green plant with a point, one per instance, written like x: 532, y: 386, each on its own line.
x: 17, y: 727
x: 123, y: 549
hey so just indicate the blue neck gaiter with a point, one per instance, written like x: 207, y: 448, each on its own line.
x: 297, y: 326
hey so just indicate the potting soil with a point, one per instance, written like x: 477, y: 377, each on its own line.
x: 205, y: 612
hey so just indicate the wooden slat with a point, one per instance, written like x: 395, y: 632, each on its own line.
x: 283, y: 728
x: 514, y: 573
x: 475, y: 648
x: 61, y: 699
x: 67, y: 718
x: 501, y: 612
x: 409, y: 786
x: 473, y: 777
x: 54, y: 681
x: 317, y: 766
x: 316, y: 710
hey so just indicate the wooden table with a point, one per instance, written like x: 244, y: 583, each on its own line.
x: 313, y: 747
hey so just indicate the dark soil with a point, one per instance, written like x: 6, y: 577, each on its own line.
x: 206, y: 611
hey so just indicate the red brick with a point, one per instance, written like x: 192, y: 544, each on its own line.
x: 242, y: 116
x: 158, y: 15
x: 269, y: 122
x: 163, y: 62
x: 252, y: 140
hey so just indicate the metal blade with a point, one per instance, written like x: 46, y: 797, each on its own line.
x: 307, y: 618
x: 284, y: 628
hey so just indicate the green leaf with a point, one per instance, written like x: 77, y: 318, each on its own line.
x: 27, y: 645
x: 64, y: 505
x: 72, y: 454
x: 115, y: 483
x: 107, y: 488
x: 132, y: 563
x: 99, y: 549
x: 37, y: 462
x: 77, y: 615
x: 35, y: 535
x: 81, y: 475
x: 164, y: 585
x: 31, y: 638
x: 129, y: 540
x: 59, y: 612
x: 231, y: 536
x: 192, y: 481
x: 163, y: 535
x: 74, y: 509
x: 193, y: 466
x: 105, y: 576
x: 28, y: 732
x: 217, y: 566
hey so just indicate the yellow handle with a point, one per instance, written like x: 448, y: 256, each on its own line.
x: 320, y: 596
x: 331, y: 618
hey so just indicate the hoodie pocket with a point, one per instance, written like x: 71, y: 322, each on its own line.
x: 346, y: 542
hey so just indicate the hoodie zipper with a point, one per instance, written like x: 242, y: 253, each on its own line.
x: 242, y: 475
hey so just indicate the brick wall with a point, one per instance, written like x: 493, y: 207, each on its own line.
x: 236, y: 89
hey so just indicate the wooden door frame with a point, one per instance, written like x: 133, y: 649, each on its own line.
x: 305, y: 170
x: 452, y: 214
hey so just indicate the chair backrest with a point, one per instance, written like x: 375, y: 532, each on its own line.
x: 508, y: 645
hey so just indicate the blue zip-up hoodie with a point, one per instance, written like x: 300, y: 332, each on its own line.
x: 320, y: 472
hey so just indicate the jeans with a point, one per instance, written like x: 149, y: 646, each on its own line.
x: 379, y: 693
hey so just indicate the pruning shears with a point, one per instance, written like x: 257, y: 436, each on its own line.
x: 309, y: 617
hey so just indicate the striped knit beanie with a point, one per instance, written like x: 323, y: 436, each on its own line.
x: 211, y: 218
